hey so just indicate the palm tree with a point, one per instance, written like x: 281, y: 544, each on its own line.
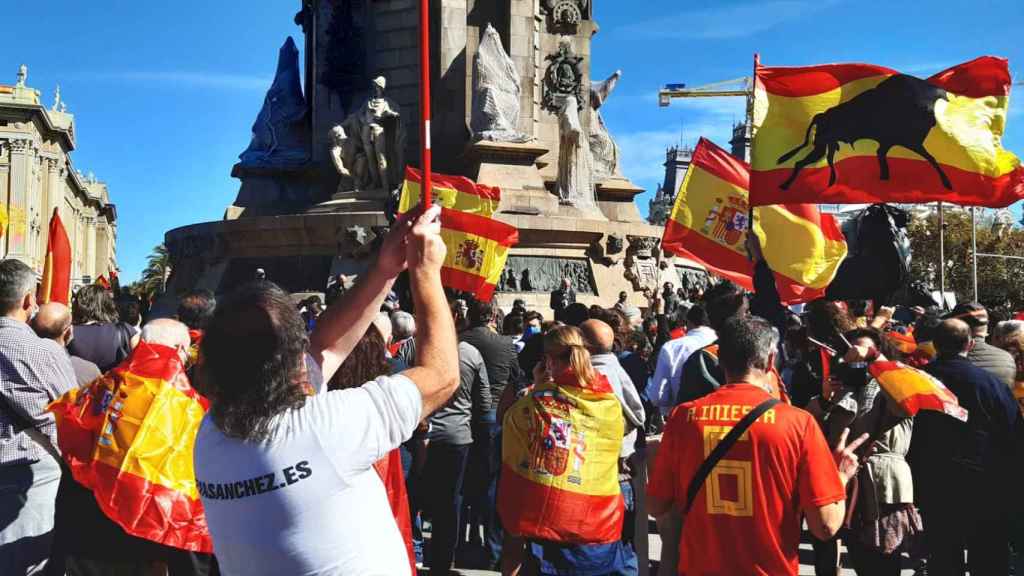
x: 154, y: 277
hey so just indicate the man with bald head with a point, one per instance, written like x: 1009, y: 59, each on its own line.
x: 53, y: 322
x: 599, y: 339
x: 89, y: 541
x: 966, y: 470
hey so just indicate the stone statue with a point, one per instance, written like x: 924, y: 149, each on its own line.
x: 378, y: 125
x: 349, y: 160
x: 659, y: 208
x: 57, y: 104
x: 496, y: 91
x: 563, y: 78
x: 604, y: 151
x: 22, y: 76
x: 575, y: 184
x: 279, y: 135
x: 566, y: 14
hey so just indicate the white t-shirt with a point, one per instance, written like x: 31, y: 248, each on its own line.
x: 307, y: 501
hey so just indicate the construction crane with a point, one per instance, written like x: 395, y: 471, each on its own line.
x: 743, y: 87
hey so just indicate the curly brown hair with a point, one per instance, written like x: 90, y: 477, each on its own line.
x: 367, y: 361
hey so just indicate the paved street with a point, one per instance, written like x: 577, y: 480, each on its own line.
x: 806, y: 558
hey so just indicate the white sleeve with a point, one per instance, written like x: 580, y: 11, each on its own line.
x: 358, y: 426
x: 663, y: 395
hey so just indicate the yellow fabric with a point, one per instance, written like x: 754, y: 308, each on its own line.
x: 147, y: 437
x: 474, y: 254
x: 968, y: 133
x: 792, y: 246
x: 3, y: 220
x: 448, y: 198
x: 902, y: 384
x: 796, y: 248
x: 708, y: 205
x: 576, y: 448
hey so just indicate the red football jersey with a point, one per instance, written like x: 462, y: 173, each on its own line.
x: 746, y: 518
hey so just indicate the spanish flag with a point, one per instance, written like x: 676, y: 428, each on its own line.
x: 859, y: 133
x: 56, y: 283
x: 452, y: 192
x: 915, y: 390
x: 3, y: 220
x: 477, y: 244
x: 129, y: 436
x: 709, y: 224
x: 560, y: 457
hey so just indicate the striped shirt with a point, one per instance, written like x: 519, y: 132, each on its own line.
x: 33, y: 373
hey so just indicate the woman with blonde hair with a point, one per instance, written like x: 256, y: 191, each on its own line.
x: 559, y: 495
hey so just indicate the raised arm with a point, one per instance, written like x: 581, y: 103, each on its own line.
x: 436, y: 373
x: 343, y: 324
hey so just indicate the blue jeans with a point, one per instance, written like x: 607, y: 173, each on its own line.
x: 28, y: 497
x: 629, y: 567
x: 446, y: 468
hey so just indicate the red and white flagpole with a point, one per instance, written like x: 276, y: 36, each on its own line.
x: 427, y: 187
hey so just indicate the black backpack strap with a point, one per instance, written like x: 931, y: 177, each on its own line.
x: 722, y: 448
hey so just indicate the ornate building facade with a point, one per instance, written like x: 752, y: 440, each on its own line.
x: 36, y: 176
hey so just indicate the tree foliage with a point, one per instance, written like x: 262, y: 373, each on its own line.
x: 154, y: 277
x: 1000, y: 286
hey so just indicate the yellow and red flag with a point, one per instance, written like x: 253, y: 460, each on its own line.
x: 3, y: 220
x: 802, y: 246
x: 915, y: 390
x: 128, y: 437
x: 477, y: 244
x: 102, y: 281
x: 56, y: 283
x: 560, y: 454
x: 452, y: 192
x: 859, y: 133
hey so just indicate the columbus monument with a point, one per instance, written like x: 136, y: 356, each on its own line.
x: 514, y: 106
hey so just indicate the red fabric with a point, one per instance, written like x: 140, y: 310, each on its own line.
x: 180, y: 524
x: 780, y: 467
x: 910, y: 181
x: 677, y: 333
x: 389, y: 468
x: 798, y: 81
x: 394, y: 347
x: 55, y: 285
x: 603, y: 517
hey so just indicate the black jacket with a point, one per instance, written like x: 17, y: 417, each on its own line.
x: 499, y: 355
x: 954, y: 459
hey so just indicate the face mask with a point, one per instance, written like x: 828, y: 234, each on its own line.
x: 532, y: 331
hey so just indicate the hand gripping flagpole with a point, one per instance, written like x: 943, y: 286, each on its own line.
x: 427, y: 185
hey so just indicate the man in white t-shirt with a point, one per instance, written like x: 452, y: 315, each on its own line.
x: 286, y: 479
x: 668, y: 372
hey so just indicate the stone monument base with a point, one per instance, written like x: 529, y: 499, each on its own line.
x: 512, y: 167
x: 615, y: 197
x: 301, y: 252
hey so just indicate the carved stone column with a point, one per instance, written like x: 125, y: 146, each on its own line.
x: 90, y: 247
x: 55, y: 175
x: 17, y: 213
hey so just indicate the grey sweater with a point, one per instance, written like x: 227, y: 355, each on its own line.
x: 452, y: 423
x: 995, y: 360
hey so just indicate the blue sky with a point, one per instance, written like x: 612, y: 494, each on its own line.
x: 165, y: 93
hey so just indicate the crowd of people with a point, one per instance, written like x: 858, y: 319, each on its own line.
x: 359, y: 437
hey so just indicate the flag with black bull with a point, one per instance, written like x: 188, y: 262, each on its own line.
x: 859, y: 133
